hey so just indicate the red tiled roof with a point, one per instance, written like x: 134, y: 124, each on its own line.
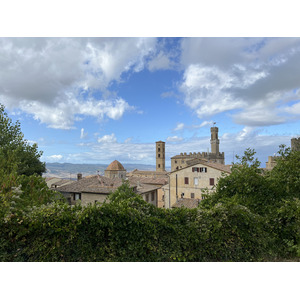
x: 115, y: 166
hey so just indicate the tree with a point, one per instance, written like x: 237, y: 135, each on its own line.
x: 12, y: 142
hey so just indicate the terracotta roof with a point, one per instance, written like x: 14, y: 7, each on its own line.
x: 152, y: 173
x: 145, y: 188
x: 148, y: 180
x: 187, y: 202
x: 115, y: 166
x: 93, y: 184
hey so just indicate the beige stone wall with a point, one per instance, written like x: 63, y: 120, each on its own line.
x: 90, y: 198
x: 160, y: 198
x: 150, y: 197
x: 271, y: 163
x: 203, y: 180
x: 166, y: 193
x: 115, y: 174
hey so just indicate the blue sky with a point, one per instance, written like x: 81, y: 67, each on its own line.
x: 93, y: 100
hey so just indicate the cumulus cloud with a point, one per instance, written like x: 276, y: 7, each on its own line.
x: 54, y: 158
x: 179, y: 126
x: 255, y: 79
x: 174, y: 138
x: 160, y: 62
x: 107, y: 139
x: 47, y: 77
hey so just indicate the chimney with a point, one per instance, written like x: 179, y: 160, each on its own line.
x: 79, y: 176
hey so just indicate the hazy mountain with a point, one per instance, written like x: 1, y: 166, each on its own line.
x: 67, y: 170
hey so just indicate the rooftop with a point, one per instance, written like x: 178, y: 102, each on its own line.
x: 115, y: 166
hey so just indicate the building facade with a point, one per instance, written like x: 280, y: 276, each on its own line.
x: 193, y: 181
x: 181, y: 161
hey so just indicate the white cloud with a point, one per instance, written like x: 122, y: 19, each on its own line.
x: 63, y: 114
x: 54, y: 158
x: 174, y: 138
x: 83, y: 134
x: 45, y: 77
x: 160, y: 62
x: 128, y: 140
x: 108, y: 139
x: 255, y: 79
x: 179, y: 126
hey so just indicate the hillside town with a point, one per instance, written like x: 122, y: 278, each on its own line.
x: 191, y: 177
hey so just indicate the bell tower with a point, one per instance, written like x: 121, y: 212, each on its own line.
x: 214, y: 141
x: 160, y: 156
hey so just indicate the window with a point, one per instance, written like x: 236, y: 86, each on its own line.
x: 196, y: 181
x: 211, y: 181
x: 152, y: 196
x: 195, y: 169
x: 186, y: 180
x: 175, y: 161
x: 158, y: 149
x: 158, y: 155
x: 203, y: 170
x: 77, y: 196
x: 147, y: 197
x: 192, y: 195
x: 159, y: 165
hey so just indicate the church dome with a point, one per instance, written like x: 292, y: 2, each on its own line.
x: 115, y: 166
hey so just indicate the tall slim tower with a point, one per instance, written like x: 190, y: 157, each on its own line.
x: 214, y: 141
x: 160, y: 156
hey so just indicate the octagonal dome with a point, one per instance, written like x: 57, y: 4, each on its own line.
x: 115, y: 166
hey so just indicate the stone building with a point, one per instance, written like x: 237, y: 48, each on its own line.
x: 160, y: 156
x: 96, y: 188
x: 271, y: 163
x: 188, y: 184
x: 295, y: 144
x: 115, y: 170
x: 180, y: 161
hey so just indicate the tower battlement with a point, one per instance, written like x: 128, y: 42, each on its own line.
x: 295, y: 144
x: 180, y: 161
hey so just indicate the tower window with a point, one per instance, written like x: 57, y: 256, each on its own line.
x: 159, y: 165
x: 158, y: 149
x: 158, y: 155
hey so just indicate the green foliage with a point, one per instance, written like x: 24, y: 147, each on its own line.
x: 26, y: 156
x: 129, y: 229
x: 273, y: 196
x: 252, y: 216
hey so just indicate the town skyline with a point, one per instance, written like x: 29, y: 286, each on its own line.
x: 94, y: 100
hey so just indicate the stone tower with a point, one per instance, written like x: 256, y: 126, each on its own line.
x: 295, y: 143
x: 160, y: 156
x: 214, y: 141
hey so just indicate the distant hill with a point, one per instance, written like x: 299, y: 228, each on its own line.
x: 67, y: 170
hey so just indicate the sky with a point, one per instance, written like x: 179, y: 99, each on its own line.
x: 94, y: 100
